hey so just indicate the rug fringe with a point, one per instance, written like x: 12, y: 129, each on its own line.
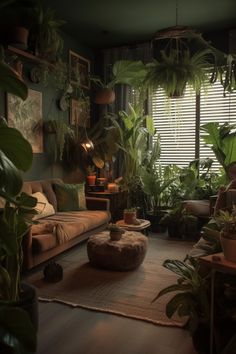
x: 113, y: 312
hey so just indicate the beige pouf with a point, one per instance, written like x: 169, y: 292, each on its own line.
x: 125, y: 254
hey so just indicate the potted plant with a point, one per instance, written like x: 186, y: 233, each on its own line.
x: 129, y: 215
x: 17, y: 333
x: 190, y: 299
x: 133, y: 129
x: 177, y: 68
x: 227, y: 221
x: 45, y: 34
x: 115, y: 232
x: 180, y: 223
x: 127, y: 72
x: 156, y: 181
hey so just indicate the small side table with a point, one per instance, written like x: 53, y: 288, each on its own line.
x: 143, y: 227
x: 118, y: 202
x: 217, y: 263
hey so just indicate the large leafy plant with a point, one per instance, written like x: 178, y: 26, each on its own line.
x: 133, y: 129
x: 191, y: 292
x: 221, y: 138
x: 17, y: 334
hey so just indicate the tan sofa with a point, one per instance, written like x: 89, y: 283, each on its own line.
x: 58, y: 232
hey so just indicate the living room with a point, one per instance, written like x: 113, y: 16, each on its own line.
x: 129, y: 113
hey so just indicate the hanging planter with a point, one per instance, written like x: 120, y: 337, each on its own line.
x: 176, y: 69
x: 105, y: 95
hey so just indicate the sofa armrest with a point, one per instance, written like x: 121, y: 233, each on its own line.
x: 97, y: 203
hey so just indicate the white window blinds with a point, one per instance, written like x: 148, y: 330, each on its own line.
x: 174, y: 120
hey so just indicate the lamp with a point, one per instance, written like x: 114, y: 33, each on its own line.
x: 87, y: 144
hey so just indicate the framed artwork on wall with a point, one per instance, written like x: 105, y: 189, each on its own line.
x: 26, y: 116
x: 80, y: 112
x: 79, y: 67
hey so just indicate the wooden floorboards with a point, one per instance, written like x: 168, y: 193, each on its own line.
x: 66, y: 330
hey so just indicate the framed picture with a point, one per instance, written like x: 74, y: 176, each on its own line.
x: 79, y: 68
x: 80, y: 112
x: 26, y: 116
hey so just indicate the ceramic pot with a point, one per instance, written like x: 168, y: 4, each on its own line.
x: 91, y: 180
x: 229, y: 247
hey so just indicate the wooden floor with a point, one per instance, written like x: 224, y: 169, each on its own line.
x: 66, y: 330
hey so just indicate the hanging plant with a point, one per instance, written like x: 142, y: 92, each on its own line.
x: 60, y: 130
x: 178, y: 68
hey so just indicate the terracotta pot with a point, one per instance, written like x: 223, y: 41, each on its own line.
x: 91, y: 180
x: 105, y: 96
x: 229, y: 247
x: 129, y: 217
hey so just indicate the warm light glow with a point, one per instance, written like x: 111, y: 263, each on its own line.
x: 87, y: 145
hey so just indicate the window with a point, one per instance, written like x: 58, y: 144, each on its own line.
x: 178, y: 121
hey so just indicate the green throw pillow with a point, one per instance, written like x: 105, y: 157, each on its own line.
x: 70, y: 197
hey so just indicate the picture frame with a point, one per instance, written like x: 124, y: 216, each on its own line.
x: 79, y: 66
x: 26, y: 116
x: 80, y: 112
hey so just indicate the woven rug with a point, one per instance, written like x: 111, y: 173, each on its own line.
x: 128, y: 294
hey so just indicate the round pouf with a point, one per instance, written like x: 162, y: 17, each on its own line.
x: 125, y: 254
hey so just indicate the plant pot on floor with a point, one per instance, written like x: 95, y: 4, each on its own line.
x: 155, y: 222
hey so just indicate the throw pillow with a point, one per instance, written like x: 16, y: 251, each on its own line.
x: 43, y: 207
x: 70, y: 197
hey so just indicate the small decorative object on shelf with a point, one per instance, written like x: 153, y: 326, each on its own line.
x: 113, y: 187
x: 115, y: 232
x: 53, y: 272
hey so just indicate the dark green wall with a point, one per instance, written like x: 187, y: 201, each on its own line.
x: 43, y: 165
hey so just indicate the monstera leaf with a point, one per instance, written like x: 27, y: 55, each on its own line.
x: 15, y: 154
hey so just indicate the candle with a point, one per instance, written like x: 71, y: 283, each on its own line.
x: 113, y: 187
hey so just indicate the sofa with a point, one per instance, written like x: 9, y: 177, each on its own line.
x: 57, y: 231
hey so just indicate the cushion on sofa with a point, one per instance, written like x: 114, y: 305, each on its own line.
x: 70, y: 197
x: 43, y: 207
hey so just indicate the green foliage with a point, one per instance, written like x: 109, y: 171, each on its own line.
x: 132, y: 140
x: 176, y: 69
x: 46, y: 35
x: 192, y: 298
x: 221, y: 138
x: 155, y: 183
x: 198, y: 181
x: 59, y: 130
x: 227, y: 221
x: 127, y: 72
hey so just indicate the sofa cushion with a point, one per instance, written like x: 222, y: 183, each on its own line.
x: 43, y: 207
x: 70, y: 197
